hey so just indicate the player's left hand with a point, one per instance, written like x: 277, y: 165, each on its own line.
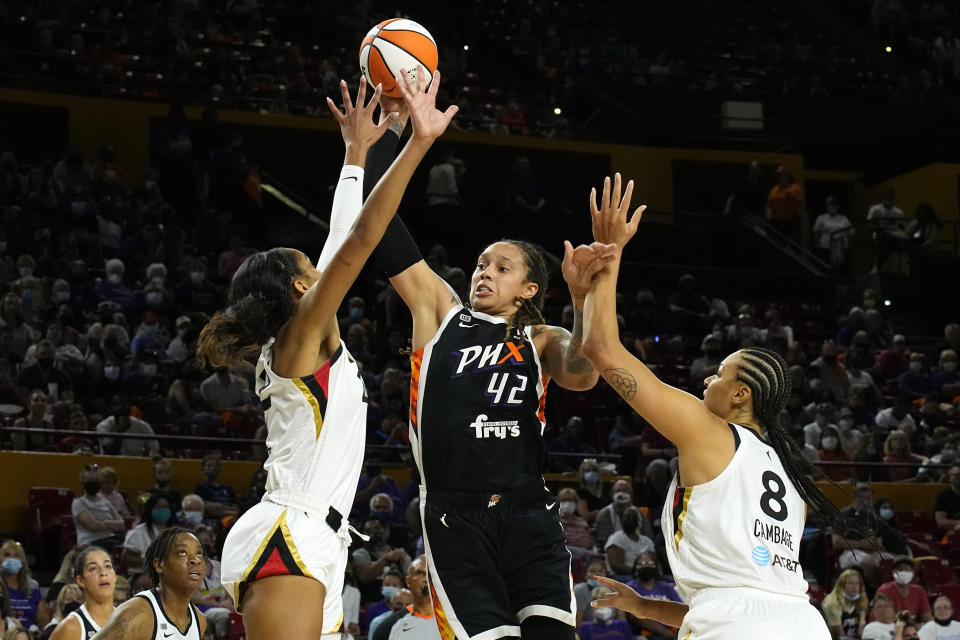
x: 581, y: 264
x: 429, y: 123
x: 356, y: 121
x: 623, y: 598
x: 610, y: 223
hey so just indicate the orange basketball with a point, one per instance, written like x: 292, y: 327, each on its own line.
x: 393, y: 45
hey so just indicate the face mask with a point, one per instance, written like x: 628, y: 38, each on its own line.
x: 916, y: 366
x: 61, y: 296
x: 645, y: 574
x: 196, y: 277
x: 356, y: 312
x: 387, y: 592
x: 591, y: 477
x: 603, y: 614
x: 381, y: 512
x: 160, y: 515
x: 193, y: 518
x: 45, y: 363
x: 148, y: 329
x: 592, y: 584
x: 886, y: 514
x: 903, y: 577
x: 376, y: 539
x: 424, y: 590
x: 621, y: 498
x: 12, y: 566
x: 27, y: 295
x: 92, y: 487
x: 154, y: 299
x: 111, y: 372
x: 845, y: 423
x: 943, y: 623
x: 148, y: 370
x: 829, y: 443
x: 114, y: 278
x: 833, y: 209
x: 26, y: 272
x: 567, y: 507
x: 949, y: 367
x: 814, y: 383
x: 851, y: 597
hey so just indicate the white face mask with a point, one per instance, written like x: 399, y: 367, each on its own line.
x: 603, y: 614
x: 114, y: 278
x: 621, y: 498
x: 111, y: 372
x: 196, y: 277
x: 148, y: 370
x: 903, y: 577
x: 916, y: 366
x: 829, y: 443
x: 567, y: 507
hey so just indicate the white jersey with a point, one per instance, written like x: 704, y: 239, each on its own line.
x: 316, y: 430
x: 163, y: 627
x: 88, y: 626
x: 741, y: 529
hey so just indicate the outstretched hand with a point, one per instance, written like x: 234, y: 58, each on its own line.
x: 581, y: 264
x: 610, y: 223
x: 623, y: 597
x: 429, y: 123
x: 357, y: 125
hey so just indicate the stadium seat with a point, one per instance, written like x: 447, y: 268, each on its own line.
x: 952, y: 591
x: 48, y: 507
x: 936, y: 571
x: 915, y: 521
x: 236, y: 631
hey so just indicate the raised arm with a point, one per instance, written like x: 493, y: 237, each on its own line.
x: 679, y: 416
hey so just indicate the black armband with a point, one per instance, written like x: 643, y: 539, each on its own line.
x: 397, y: 250
x: 379, y: 158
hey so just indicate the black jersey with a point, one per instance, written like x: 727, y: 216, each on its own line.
x: 476, y: 406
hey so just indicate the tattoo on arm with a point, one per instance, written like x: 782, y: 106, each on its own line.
x: 575, y: 361
x: 622, y: 382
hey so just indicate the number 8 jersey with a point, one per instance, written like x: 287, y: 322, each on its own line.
x: 476, y: 406
x: 741, y: 529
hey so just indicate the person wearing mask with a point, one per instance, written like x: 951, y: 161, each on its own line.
x: 886, y: 220
x: 155, y: 516
x: 623, y: 547
x: 390, y: 584
x: 903, y: 593
x: 845, y: 607
x: 580, y: 540
x: 915, y: 382
x: 596, y: 566
x: 786, y: 205
x: 866, y: 553
x: 120, y: 421
x: 401, y: 599
x: 943, y: 626
x: 647, y: 583
x: 372, y: 481
x: 27, y: 606
x: 893, y: 538
x: 94, y: 574
x: 608, y: 520
x: 375, y: 554
x: 416, y: 621
x: 68, y: 600
x: 590, y: 492
x: 946, y: 381
x: 896, y: 449
x: 218, y: 498
x: 605, y: 624
x: 382, y: 506
x: 96, y: 520
x: 192, y: 509
x: 706, y: 365
x: 832, y: 451
x: 45, y: 376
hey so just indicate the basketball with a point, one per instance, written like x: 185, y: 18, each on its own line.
x: 393, y: 45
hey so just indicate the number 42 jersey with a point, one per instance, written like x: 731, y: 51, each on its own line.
x: 476, y: 406
x: 741, y: 529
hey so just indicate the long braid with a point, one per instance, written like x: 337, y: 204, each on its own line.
x: 764, y: 372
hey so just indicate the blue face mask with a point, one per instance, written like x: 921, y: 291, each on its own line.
x: 11, y: 566
x: 193, y: 518
x: 387, y: 592
x: 160, y: 515
x: 591, y: 477
x: 593, y: 584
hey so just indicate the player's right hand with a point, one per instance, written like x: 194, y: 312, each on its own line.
x: 429, y: 123
x: 609, y: 217
x: 356, y: 122
x: 623, y: 598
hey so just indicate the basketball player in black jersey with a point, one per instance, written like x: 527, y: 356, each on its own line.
x: 496, y: 551
x: 93, y: 571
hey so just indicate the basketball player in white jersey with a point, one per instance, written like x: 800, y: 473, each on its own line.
x: 175, y: 563
x: 735, y: 511
x: 284, y: 559
x: 93, y: 571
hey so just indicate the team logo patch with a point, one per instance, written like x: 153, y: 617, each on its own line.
x: 760, y: 555
x: 494, y: 500
x: 466, y: 318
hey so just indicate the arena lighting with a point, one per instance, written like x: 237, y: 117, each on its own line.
x: 466, y: 47
x: 557, y: 111
x: 888, y: 49
x: 887, y: 303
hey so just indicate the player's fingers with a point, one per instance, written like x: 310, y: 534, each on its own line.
x: 402, y: 80
x: 625, y: 202
x: 402, y: 85
x: 613, y: 584
x: 592, y: 202
x: 451, y: 111
x: 362, y: 93
x: 615, y: 196
x: 637, y: 216
x: 435, y: 82
x: 567, y: 250
x: 345, y: 92
x: 334, y: 110
x: 605, y: 196
x: 374, y: 99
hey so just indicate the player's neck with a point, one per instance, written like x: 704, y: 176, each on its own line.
x: 99, y: 611
x: 175, y: 605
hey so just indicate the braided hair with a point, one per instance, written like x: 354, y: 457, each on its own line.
x: 260, y: 304
x: 765, y: 373
x: 159, y: 549
x: 531, y: 309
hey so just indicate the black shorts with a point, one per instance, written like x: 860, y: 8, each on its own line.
x: 495, y: 560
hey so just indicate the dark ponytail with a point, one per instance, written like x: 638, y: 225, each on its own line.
x: 531, y: 309
x: 260, y: 303
x: 765, y: 373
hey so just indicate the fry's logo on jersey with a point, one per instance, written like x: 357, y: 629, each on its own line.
x: 480, y: 357
x: 762, y: 557
x: 500, y: 429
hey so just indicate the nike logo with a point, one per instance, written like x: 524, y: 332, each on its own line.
x: 354, y: 178
x: 443, y: 521
x: 551, y: 505
x: 467, y: 326
x: 405, y: 628
x: 169, y: 635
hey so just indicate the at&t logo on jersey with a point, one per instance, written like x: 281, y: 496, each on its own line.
x: 483, y: 429
x: 762, y: 557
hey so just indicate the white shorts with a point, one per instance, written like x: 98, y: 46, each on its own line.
x: 735, y: 614
x: 272, y: 540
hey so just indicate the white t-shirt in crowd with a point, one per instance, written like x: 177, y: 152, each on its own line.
x: 825, y: 226
x: 934, y: 631
x: 100, y: 508
x: 885, y: 218
x: 878, y: 631
x: 631, y: 548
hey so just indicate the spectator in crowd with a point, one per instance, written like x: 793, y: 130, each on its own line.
x: 813, y: 431
x: 886, y: 220
x: 883, y: 616
x: 608, y: 519
x: 914, y: 383
x: 943, y: 626
x: 224, y: 391
x: 831, y: 372
x: 750, y: 195
x: 95, y: 518
x: 605, y: 624
x: 27, y: 606
x: 7, y: 621
x: 896, y: 449
x: 192, y: 513
x: 596, y: 566
x: 570, y: 441
x: 690, y: 308
x: 231, y: 258
x: 895, y: 360
x: 831, y: 235
x: 648, y: 584
x: 845, y: 607
x: 382, y: 507
x: 832, y: 451
x: 418, y: 617
x: 211, y: 597
x: 946, y: 381
x: 951, y: 340
x: 893, y: 539
x: 22, y: 335
x: 374, y: 555
x: 162, y: 475
x: 897, y: 417
x: 401, y: 599
x: 179, y: 348
x: 218, y: 498
x: 120, y: 421
x: 947, y: 507
x: 580, y: 540
x: 390, y: 584
x: 45, y: 376
x: 443, y: 184
x: 40, y: 436
x: 156, y: 514
x: 108, y: 490
x: 373, y: 481
x: 623, y: 547
x: 121, y: 591
x: 706, y: 365
x: 68, y: 600
x: 786, y: 205
x: 867, y: 553
x: 590, y: 491
x: 904, y: 593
